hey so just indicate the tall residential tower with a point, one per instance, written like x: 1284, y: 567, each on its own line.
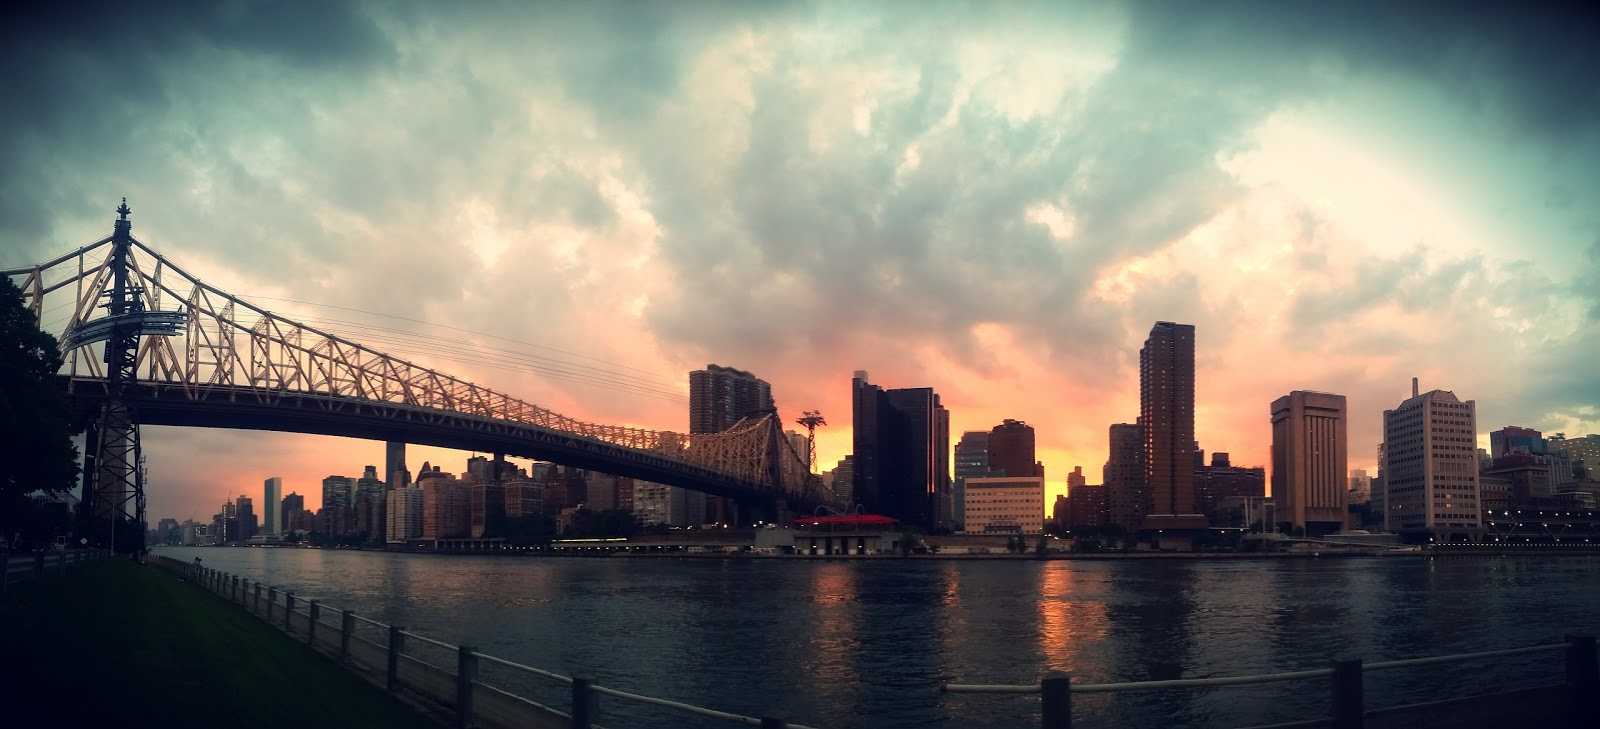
x: 1166, y: 415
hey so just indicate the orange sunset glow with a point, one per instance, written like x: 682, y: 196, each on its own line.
x: 994, y: 207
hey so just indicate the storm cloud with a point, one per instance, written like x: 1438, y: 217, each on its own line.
x: 994, y: 200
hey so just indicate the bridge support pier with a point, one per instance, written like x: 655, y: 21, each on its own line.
x: 762, y: 510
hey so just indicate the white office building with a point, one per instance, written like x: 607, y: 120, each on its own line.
x: 1430, y: 467
x: 1004, y: 505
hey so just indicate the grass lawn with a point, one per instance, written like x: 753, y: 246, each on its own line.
x: 115, y: 644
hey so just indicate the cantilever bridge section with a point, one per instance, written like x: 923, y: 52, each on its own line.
x: 237, y: 365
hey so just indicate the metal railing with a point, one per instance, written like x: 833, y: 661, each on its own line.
x: 35, y: 566
x: 1056, y: 689
x: 474, y: 702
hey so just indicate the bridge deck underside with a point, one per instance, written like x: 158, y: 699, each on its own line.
x: 244, y: 409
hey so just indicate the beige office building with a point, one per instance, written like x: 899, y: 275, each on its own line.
x: 1004, y: 505
x: 1430, y: 467
x: 1310, y: 459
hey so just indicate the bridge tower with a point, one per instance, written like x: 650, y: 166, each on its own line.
x: 114, y: 463
x: 115, y: 476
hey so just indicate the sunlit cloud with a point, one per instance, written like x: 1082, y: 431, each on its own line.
x: 994, y: 202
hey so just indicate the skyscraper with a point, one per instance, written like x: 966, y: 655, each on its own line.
x: 395, y: 475
x: 269, y: 506
x: 1430, y: 466
x: 972, y: 461
x: 336, y: 491
x: 1127, y: 498
x: 720, y: 396
x: 1166, y: 414
x: 925, y: 480
x: 1310, y: 462
x: 291, y: 513
x: 247, y: 518
x: 902, y: 447
x: 1011, y: 450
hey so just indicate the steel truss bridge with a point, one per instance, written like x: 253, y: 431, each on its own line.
x: 171, y: 349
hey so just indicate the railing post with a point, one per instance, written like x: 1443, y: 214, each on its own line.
x: 1055, y: 694
x: 347, y: 626
x: 1583, y: 679
x: 288, y: 612
x: 466, y: 674
x: 256, y: 607
x: 311, y: 627
x: 1349, y: 701
x: 272, y: 597
x: 397, y: 644
x: 584, y: 705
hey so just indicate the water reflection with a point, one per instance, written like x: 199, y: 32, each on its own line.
x: 865, y: 644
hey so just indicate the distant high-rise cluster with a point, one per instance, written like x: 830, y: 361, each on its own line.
x: 1431, y: 483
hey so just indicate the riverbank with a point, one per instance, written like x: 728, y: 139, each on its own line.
x: 112, y: 643
x: 623, y: 553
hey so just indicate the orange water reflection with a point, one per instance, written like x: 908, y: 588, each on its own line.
x: 837, y: 620
x: 1072, y: 615
x: 953, y: 630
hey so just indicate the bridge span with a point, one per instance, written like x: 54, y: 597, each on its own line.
x: 171, y: 349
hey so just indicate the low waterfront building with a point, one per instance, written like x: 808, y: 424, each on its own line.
x: 1004, y: 505
x: 855, y: 535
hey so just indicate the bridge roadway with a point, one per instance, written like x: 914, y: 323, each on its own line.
x: 243, y: 408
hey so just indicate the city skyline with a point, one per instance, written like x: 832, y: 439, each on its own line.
x: 996, y: 206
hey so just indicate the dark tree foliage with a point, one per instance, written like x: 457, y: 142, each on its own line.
x: 36, y: 450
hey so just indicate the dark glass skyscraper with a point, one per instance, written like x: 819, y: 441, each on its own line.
x: 902, y: 447
x: 395, y: 475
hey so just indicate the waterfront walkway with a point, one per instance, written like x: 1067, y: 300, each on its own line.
x: 113, y: 643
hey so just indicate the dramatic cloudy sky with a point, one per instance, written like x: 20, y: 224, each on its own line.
x: 996, y: 200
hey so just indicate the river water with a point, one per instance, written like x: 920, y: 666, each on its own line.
x: 867, y: 643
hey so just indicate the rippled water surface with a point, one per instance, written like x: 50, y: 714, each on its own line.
x: 866, y: 644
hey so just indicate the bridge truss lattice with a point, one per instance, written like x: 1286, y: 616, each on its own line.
x: 226, y: 346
